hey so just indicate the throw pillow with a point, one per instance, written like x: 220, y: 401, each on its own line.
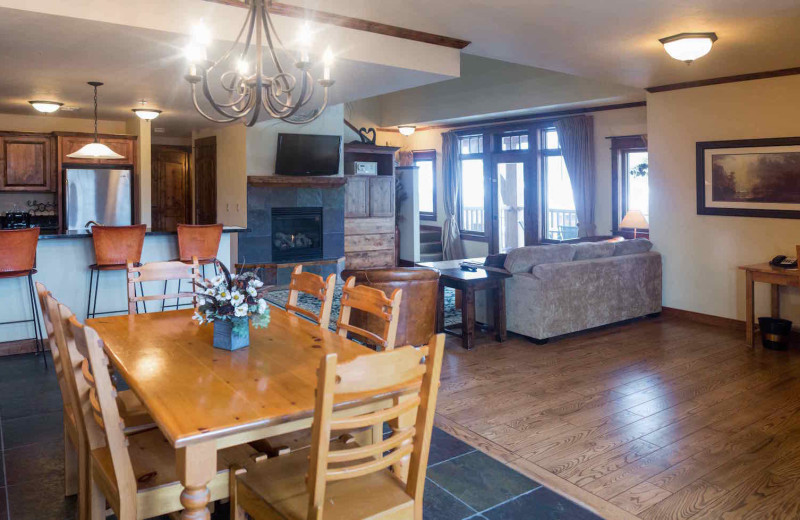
x: 592, y: 250
x: 523, y: 259
x: 632, y: 247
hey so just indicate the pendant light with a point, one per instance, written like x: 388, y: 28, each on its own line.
x: 95, y: 150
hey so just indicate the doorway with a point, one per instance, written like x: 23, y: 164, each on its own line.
x: 170, y: 200
x: 205, y: 180
x: 511, y: 204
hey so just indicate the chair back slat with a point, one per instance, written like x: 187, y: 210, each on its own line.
x: 161, y: 272
x: 368, y: 376
x: 316, y: 287
x: 55, y: 351
x: 374, y: 302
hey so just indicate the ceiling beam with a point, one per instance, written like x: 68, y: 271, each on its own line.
x: 354, y: 23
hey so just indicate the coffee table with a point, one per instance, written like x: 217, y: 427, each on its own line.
x: 451, y: 275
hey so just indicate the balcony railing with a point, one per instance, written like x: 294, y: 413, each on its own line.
x: 472, y: 219
x: 562, y: 224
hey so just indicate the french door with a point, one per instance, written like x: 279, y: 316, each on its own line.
x: 513, y: 201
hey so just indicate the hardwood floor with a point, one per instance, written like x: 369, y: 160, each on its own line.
x: 661, y: 418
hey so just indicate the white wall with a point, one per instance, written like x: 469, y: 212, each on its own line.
x: 262, y: 139
x: 701, y: 253
x: 409, y: 209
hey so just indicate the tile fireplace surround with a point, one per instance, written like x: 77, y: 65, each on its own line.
x: 256, y: 246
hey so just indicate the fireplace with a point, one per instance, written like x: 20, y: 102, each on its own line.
x: 296, y: 234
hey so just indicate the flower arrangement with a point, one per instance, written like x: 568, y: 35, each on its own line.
x: 238, y: 299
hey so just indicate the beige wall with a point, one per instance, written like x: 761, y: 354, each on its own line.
x: 51, y: 123
x: 231, y: 172
x: 608, y: 123
x: 701, y: 253
x: 144, y: 182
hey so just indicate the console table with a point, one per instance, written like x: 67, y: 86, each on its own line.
x: 451, y: 275
x: 776, y: 277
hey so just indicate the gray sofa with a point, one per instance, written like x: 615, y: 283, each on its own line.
x: 563, y: 288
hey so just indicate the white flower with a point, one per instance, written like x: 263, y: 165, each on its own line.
x: 236, y: 298
x: 240, y: 311
x: 252, y: 291
x: 210, y: 291
x: 255, y: 282
x: 198, y: 318
x: 262, y: 306
x: 217, y: 280
x: 223, y: 295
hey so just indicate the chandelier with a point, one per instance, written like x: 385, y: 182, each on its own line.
x: 280, y: 96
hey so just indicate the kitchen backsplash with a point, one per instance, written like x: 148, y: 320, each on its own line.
x: 19, y: 201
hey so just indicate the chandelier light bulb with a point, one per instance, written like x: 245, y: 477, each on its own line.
x: 327, y: 60
x: 688, y: 47
x: 242, y: 67
x: 195, y: 53
x: 201, y: 35
x: 306, y: 37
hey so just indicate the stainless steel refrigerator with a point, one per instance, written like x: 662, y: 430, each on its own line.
x: 99, y: 195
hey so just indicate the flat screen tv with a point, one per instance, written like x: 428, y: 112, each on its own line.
x: 300, y: 154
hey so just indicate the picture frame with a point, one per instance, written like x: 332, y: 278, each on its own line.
x: 749, y: 178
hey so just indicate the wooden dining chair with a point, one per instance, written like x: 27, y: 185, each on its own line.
x: 316, y: 286
x: 337, y: 481
x: 71, y: 438
x: 135, y: 474
x: 161, y: 272
x: 372, y: 301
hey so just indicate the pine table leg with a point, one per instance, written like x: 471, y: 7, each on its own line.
x: 749, y: 309
x: 197, y: 465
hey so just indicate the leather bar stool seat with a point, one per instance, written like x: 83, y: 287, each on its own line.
x: 196, y: 241
x: 417, y: 320
x: 114, y: 247
x: 17, y: 260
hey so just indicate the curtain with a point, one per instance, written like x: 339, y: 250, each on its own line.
x: 576, y: 137
x: 452, y: 249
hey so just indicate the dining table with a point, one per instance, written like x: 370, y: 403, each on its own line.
x: 205, y: 399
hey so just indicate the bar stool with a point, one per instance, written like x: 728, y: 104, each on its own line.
x: 196, y: 241
x: 17, y: 259
x: 114, y: 247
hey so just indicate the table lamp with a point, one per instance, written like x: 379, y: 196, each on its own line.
x: 634, y: 219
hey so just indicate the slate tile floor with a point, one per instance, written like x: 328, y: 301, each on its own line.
x: 462, y: 483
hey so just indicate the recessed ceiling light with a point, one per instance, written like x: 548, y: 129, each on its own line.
x: 148, y: 114
x: 407, y: 130
x: 46, y: 106
x: 688, y: 47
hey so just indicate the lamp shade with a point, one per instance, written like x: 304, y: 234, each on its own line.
x: 46, y: 106
x: 148, y: 114
x: 688, y: 47
x: 407, y: 130
x: 95, y: 151
x: 634, y: 219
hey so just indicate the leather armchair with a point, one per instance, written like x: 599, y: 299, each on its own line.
x: 417, y: 322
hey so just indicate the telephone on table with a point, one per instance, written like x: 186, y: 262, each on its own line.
x: 787, y: 262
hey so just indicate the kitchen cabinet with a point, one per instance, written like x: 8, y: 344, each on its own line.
x: 27, y: 163
x: 72, y: 143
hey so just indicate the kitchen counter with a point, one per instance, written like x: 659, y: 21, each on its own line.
x: 85, y: 233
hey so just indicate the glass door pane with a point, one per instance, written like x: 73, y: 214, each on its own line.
x: 510, y: 205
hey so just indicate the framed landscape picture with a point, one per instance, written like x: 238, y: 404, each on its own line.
x: 749, y: 178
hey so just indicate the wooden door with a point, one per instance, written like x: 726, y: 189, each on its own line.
x: 205, y: 180
x: 26, y: 164
x: 170, y: 187
x: 356, y: 197
x: 381, y: 196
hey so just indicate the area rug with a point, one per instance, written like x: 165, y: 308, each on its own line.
x: 452, y: 316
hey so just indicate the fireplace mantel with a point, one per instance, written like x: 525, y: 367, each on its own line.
x: 286, y: 181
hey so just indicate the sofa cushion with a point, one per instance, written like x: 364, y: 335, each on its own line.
x: 632, y: 247
x: 592, y: 250
x: 523, y: 259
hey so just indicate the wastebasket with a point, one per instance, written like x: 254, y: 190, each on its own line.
x: 775, y: 333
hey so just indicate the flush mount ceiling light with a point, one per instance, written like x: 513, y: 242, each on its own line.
x: 95, y: 150
x: 248, y: 91
x: 687, y: 47
x: 407, y: 130
x: 148, y: 114
x: 46, y: 106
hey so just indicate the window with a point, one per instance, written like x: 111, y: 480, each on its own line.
x: 559, y: 219
x: 630, y: 181
x: 472, y: 196
x: 512, y: 141
x: 425, y: 160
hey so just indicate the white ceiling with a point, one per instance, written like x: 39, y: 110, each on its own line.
x: 52, y: 57
x: 614, y: 40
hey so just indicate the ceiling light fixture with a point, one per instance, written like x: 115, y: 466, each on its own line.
x: 96, y: 149
x: 687, y: 47
x: 407, y: 130
x: 46, y: 106
x: 148, y: 114
x: 250, y: 91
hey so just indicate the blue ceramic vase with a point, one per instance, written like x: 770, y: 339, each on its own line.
x: 228, y: 336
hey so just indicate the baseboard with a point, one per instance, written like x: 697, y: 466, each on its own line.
x: 708, y: 319
x: 21, y: 346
